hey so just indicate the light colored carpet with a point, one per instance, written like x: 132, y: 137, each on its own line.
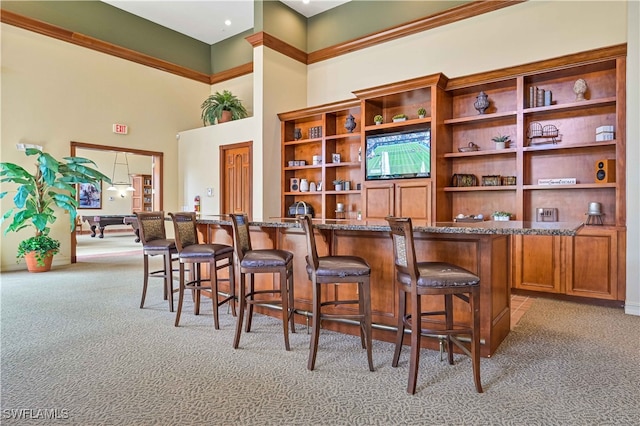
x: 75, y: 341
x: 113, y: 243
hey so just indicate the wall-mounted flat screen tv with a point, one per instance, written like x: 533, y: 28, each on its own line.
x: 399, y: 155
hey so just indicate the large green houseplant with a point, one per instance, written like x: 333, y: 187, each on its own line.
x: 52, y: 184
x: 214, y: 107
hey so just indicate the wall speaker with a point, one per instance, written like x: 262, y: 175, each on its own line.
x: 605, y: 171
x: 294, y: 185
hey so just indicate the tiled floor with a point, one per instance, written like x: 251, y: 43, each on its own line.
x: 519, y: 305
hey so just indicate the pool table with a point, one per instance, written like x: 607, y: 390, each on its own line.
x: 102, y: 221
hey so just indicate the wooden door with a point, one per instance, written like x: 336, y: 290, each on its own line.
x: 235, y: 182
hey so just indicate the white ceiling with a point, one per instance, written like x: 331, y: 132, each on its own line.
x: 204, y: 20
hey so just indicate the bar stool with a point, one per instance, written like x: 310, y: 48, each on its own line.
x: 416, y: 279
x: 333, y: 270
x: 255, y: 261
x: 155, y: 243
x: 190, y: 251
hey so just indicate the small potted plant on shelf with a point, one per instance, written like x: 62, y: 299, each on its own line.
x: 53, y: 184
x: 501, y: 141
x: 377, y: 119
x: 399, y: 117
x: 222, y: 107
x: 501, y: 216
x: 422, y: 112
x: 338, y: 184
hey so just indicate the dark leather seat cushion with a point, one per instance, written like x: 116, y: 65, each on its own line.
x: 266, y: 258
x: 160, y: 245
x: 439, y: 274
x: 341, y: 266
x: 196, y: 251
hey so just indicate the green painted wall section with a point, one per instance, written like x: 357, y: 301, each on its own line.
x: 231, y: 52
x: 285, y: 24
x: 346, y: 22
x: 361, y: 17
x: 110, y: 24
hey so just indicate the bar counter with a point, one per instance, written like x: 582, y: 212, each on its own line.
x: 480, y: 247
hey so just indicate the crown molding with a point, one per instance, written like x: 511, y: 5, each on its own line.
x: 79, y: 39
x: 448, y: 16
x: 231, y: 73
x: 266, y: 39
x: 260, y: 39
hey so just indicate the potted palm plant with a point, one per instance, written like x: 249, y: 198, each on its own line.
x: 52, y: 184
x: 222, y: 107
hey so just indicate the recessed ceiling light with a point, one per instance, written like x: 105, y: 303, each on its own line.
x: 306, y: 1
x: 227, y: 22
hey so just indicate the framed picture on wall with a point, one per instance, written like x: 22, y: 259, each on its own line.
x: 89, y: 196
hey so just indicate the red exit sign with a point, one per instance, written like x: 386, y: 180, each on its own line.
x: 121, y: 129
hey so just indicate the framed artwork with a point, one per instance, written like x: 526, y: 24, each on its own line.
x: 89, y: 196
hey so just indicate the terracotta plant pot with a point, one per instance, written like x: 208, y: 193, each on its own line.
x: 32, y: 262
x: 226, y: 116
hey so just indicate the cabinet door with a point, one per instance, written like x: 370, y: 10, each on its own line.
x: 137, y: 195
x: 537, y: 263
x: 593, y: 260
x: 413, y: 199
x: 378, y: 200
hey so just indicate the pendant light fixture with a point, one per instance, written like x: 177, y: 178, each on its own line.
x: 120, y: 166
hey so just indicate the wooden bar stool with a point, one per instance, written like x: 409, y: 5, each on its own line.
x: 333, y: 270
x: 190, y: 251
x: 256, y: 261
x: 155, y: 243
x: 417, y: 279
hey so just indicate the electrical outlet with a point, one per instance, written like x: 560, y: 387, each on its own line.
x: 209, y: 192
x: 547, y: 214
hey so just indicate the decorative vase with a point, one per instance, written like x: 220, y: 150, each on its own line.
x: 580, y: 88
x: 312, y: 187
x: 32, y: 262
x: 297, y: 133
x: 350, y: 124
x: 481, y: 103
x: 304, y: 185
x: 338, y: 187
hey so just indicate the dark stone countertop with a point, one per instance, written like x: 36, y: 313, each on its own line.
x: 489, y: 227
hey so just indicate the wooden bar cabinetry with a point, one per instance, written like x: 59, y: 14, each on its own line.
x: 553, y: 141
x: 322, y: 133
x: 567, y: 150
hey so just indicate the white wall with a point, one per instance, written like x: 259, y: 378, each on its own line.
x: 515, y: 35
x: 274, y: 79
x: 55, y: 92
x: 199, y: 161
x: 632, y: 303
